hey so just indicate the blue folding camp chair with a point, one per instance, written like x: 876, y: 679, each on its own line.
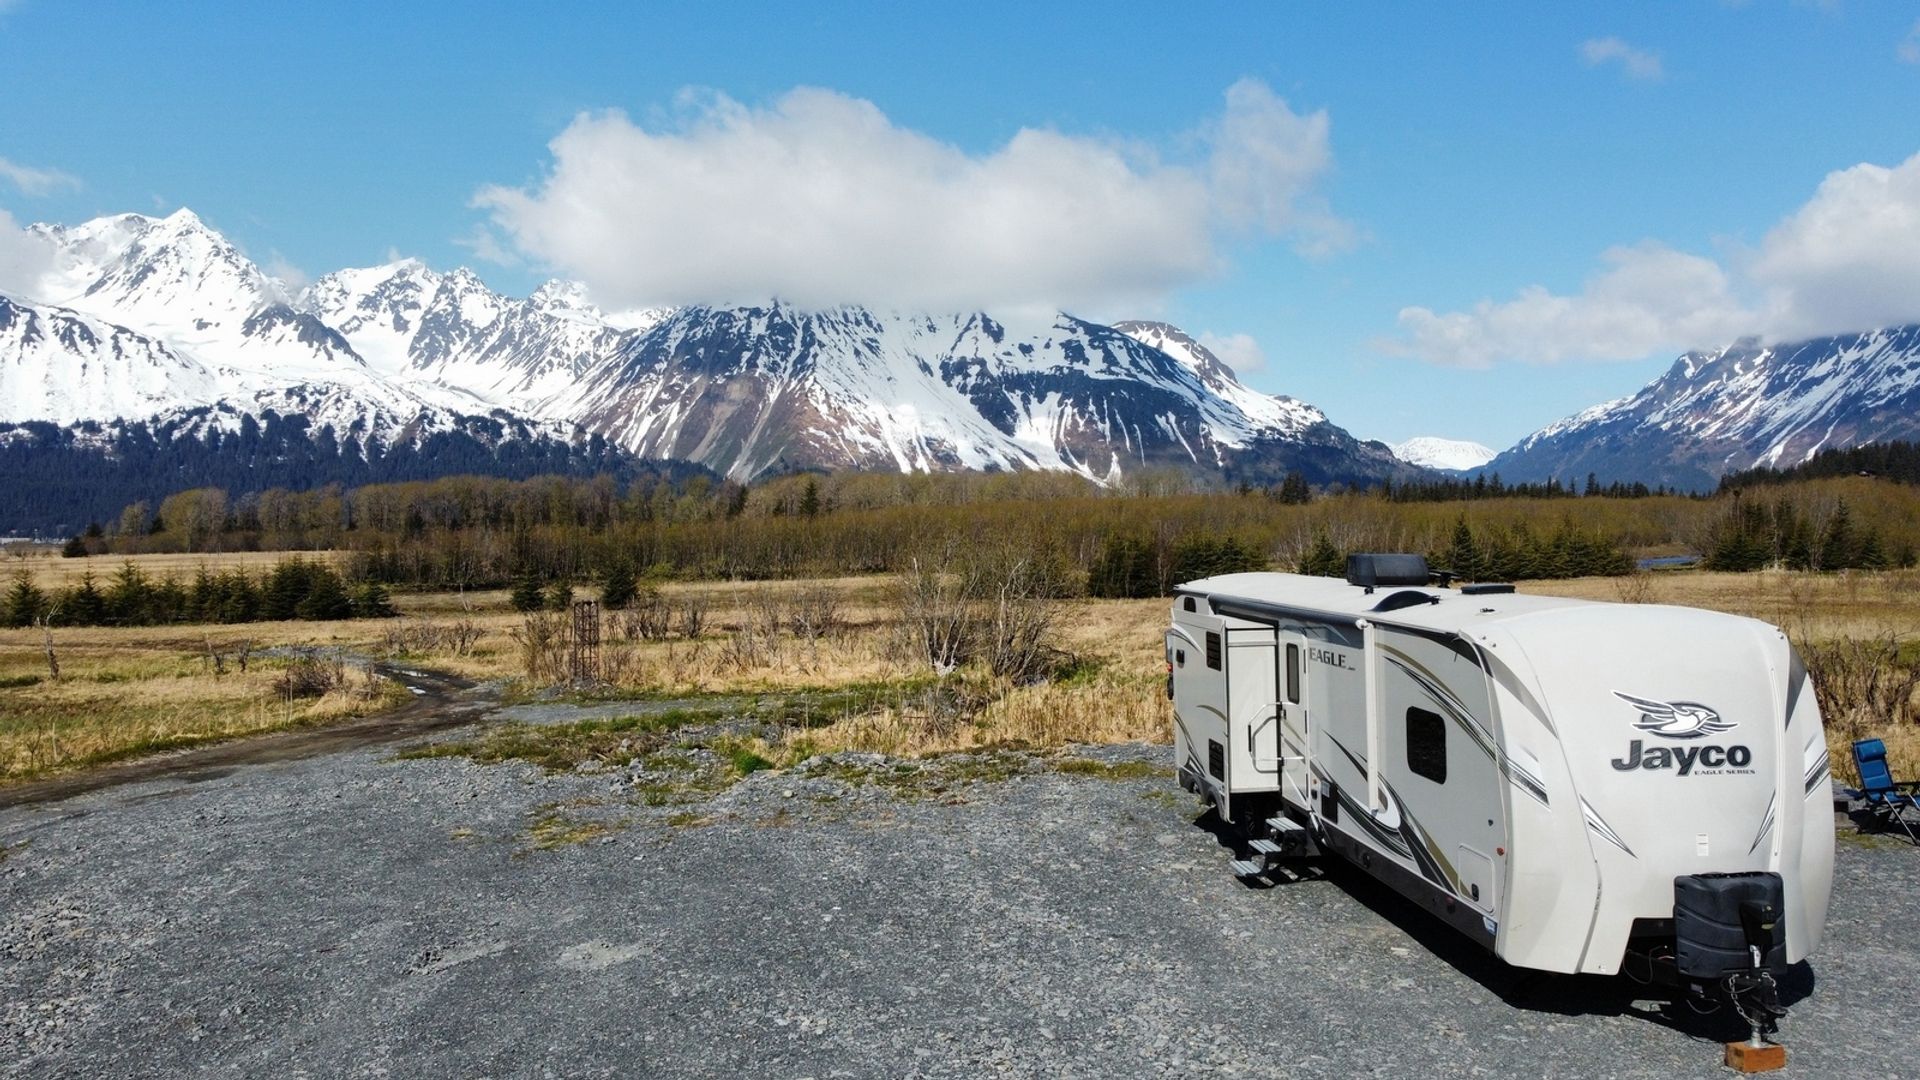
x: 1887, y: 799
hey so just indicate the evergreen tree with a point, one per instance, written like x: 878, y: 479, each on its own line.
x: 1294, y: 490
x: 1463, y: 554
x: 619, y: 587
x: 560, y: 595
x: 1839, y: 547
x: 287, y: 586
x: 82, y: 605
x: 1323, y: 559
x: 1123, y: 569
x: 810, y: 499
x: 74, y: 548
x: 326, y: 597
x: 25, y: 602
x: 371, y: 601
x: 529, y: 593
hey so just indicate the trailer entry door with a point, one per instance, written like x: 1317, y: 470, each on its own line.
x: 1294, y: 725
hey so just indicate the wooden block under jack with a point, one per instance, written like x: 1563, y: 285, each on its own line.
x: 1749, y: 1058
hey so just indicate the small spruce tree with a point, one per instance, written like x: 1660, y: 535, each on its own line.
x: 618, y: 587
x: 529, y: 593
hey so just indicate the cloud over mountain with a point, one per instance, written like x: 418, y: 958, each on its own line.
x: 1847, y: 259
x: 821, y: 199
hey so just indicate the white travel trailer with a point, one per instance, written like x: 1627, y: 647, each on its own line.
x: 1578, y: 786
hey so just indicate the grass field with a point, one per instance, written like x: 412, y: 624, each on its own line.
x: 126, y: 691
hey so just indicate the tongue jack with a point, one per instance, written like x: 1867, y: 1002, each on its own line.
x: 1754, y: 995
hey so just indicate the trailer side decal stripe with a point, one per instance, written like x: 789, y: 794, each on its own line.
x: 1604, y: 830
x: 1409, y: 840
x: 1818, y: 774
x: 1766, y: 824
x: 1519, y: 777
x: 1796, y: 681
x: 1449, y: 703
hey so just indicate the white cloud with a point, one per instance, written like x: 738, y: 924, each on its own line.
x: 1238, y: 351
x: 1847, y: 260
x: 24, y: 257
x: 32, y: 181
x: 1909, y: 48
x: 1646, y: 298
x: 1635, y: 63
x: 821, y: 199
x: 278, y: 266
x: 485, y: 246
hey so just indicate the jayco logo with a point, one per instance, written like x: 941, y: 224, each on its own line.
x: 1680, y: 720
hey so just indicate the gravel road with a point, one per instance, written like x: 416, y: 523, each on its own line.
x: 350, y: 914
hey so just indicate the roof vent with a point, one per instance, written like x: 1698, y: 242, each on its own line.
x: 1405, y: 598
x: 1369, y: 571
x: 1485, y: 588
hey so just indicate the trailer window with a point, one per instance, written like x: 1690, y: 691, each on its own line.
x: 1427, y: 745
x: 1293, y: 674
x: 1213, y: 650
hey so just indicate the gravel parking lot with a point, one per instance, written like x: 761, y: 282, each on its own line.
x: 350, y: 914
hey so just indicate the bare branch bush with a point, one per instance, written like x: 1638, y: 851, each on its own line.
x: 1863, y: 683
x: 311, y: 675
x: 543, y: 639
x: 939, y: 613
x: 693, y: 615
x: 814, y: 613
x: 997, y: 611
x: 407, y: 637
x: 647, y: 617
x: 1634, y: 588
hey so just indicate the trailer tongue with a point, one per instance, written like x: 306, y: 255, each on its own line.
x: 1577, y: 786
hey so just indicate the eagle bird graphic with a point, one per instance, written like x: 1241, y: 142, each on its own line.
x: 1677, y: 719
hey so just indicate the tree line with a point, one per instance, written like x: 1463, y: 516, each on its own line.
x: 1898, y: 461
x: 1134, y: 539
x: 294, y: 589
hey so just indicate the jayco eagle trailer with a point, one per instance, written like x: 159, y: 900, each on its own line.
x: 1576, y: 785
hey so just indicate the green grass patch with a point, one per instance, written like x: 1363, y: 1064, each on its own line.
x: 1117, y: 770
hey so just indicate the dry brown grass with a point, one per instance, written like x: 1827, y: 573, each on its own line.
x: 130, y: 689
x: 113, y: 703
x: 50, y: 571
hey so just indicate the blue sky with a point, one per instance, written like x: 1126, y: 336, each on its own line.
x: 1464, y: 160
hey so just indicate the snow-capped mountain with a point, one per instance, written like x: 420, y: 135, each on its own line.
x: 415, y: 324
x: 1744, y: 405
x: 187, y: 321
x: 57, y: 364
x: 146, y: 315
x: 1449, y: 455
x: 747, y: 390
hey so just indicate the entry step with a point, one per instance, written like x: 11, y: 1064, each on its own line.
x: 1285, y: 826
x: 1268, y: 848
x: 1247, y: 868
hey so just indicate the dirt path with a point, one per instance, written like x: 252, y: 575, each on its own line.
x: 439, y: 701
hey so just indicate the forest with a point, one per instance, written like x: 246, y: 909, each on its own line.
x: 58, y: 479
x: 1133, y: 539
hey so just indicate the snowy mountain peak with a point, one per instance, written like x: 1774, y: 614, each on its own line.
x: 1743, y: 405
x: 1431, y: 452
x: 1180, y: 345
